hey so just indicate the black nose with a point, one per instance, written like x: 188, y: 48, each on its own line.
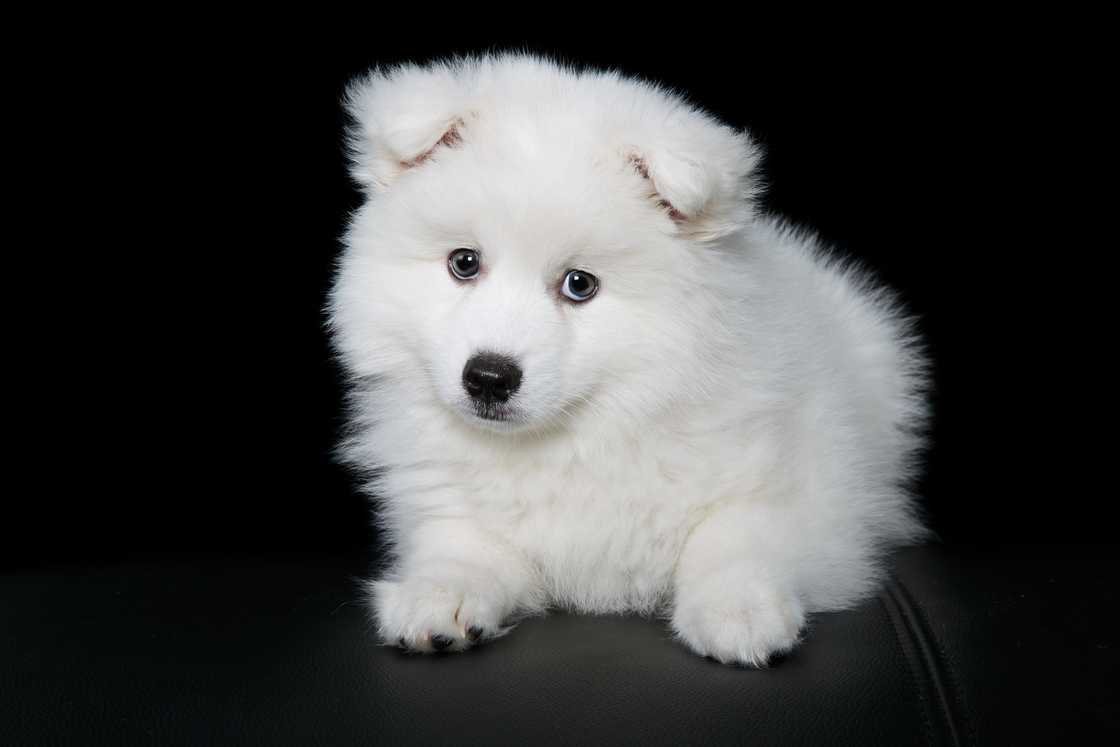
x: 489, y: 377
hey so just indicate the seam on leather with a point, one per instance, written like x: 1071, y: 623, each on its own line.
x: 955, y: 711
x: 926, y: 661
x: 903, y: 648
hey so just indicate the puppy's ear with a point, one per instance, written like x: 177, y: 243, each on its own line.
x: 701, y: 172
x: 401, y: 117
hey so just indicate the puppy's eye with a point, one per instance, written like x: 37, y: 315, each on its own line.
x: 579, y: 285
x: 463, y: 263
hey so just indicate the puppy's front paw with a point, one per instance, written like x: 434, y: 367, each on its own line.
x: 429, y: 615
x: 738, y: 623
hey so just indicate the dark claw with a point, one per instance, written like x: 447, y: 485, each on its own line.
x: 401, y: 642
x: 440, y: 642
x: 474, y: 633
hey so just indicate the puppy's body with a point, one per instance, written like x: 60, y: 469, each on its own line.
x: 722, y: 433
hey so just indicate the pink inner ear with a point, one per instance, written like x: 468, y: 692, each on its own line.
x: 642, y: 168
x: 450, y: 139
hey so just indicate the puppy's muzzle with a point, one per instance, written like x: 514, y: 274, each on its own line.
x: 490, y: 378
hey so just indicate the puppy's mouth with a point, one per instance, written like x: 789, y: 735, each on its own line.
x: 496, y: 412
x: 494, y: 416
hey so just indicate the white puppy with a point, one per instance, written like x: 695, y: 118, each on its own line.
x: 587, y: 374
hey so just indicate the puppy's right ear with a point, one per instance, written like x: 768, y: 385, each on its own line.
x: 401, y: 117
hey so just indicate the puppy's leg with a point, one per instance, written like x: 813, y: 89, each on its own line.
x: 735, y: 591
x: 452, y: 587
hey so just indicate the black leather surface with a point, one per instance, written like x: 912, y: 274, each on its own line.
x: 965, y: 647
x: 1023, y: 638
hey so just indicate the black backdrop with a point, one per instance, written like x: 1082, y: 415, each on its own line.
x: 200, y: 401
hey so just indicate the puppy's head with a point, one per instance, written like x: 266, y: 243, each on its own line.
x: 538, y: 245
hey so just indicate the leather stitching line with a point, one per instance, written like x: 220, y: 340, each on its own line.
x: 888, y: 603
x: 959, y: 713
x: 927, y: 660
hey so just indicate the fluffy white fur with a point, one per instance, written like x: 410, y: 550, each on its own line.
x: 722, y: 435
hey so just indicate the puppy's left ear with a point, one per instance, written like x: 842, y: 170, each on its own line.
x: 701, y: 172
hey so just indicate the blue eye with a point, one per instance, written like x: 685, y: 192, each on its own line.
x: 463, y: 263
x: 579, y: 285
